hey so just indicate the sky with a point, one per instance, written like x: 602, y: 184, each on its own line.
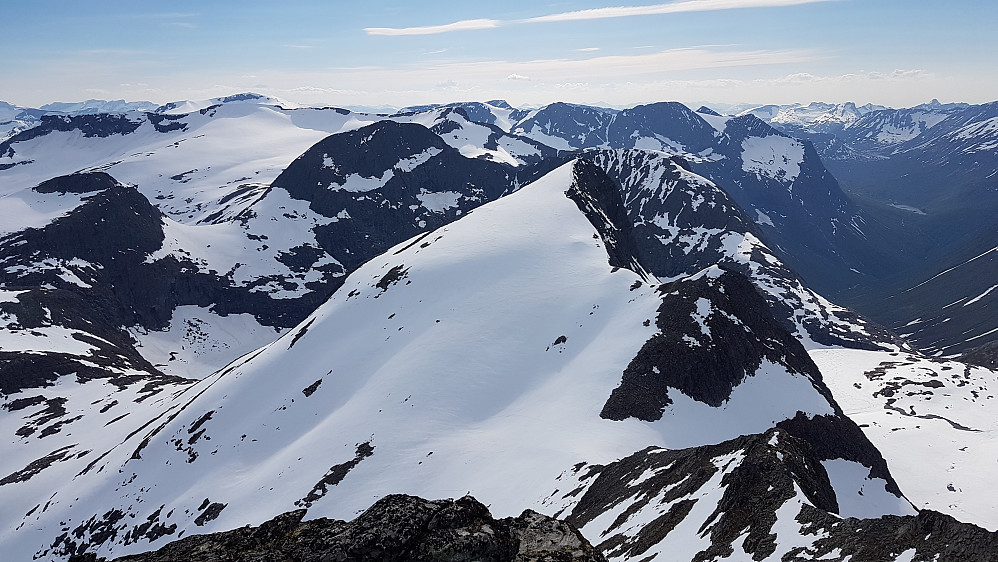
x: 376, y: 53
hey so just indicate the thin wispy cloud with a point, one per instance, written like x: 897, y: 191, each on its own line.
x: 160, y: 15
x: 667, y: 8
x: 604, y: 68
x: 896, y: 75
x: 592, y: 14
x: 463, y: 25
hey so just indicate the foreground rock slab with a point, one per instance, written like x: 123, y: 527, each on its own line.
x: 397, y: 527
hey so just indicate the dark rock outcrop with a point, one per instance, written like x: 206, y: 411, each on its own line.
x: 985, y: 356
x: 705, y: 357
x: 930, y: 534
x: 396, y: 528
x: 761, y: 473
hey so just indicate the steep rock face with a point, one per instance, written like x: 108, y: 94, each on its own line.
x: 396, y: 527
x: 684, y: 223
x: 930, y: 535
x: 598, y: 197
x: 755, y: 476
x: 108, y: 237
x: 679, y: 218
x: 714, y: 331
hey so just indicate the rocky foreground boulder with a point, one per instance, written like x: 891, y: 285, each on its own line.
x: 397, y: 527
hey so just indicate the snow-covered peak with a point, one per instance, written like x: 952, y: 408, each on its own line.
x: 190, y: 106
x: 817, y: 115
x: 813, y: 117
x: 8, y: 112
x: 936, y: 105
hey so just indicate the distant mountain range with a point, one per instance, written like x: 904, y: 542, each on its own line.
x: 930, y: 174
x: 242, y: 312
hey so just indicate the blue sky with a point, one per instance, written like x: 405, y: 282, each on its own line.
x: 388, y: 52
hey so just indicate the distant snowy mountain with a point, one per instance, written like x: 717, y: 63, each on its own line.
x: 190, y: 106
x: 496, y: 112
x: 930, y: 175
x: 14, y: 119
x: 239, y: 244
x: 816, y: 117
x: 97, y: 106
x: 781, y: 181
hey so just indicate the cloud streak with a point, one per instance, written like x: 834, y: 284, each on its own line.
x: 598, y: 68
x: 592, y: 14
x: 463, y: 25
x: 667, y: 8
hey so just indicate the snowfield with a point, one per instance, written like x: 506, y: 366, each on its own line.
x: 933, y: 420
